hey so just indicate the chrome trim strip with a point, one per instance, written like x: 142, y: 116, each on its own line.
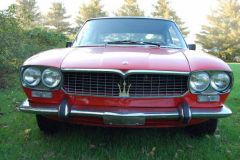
x: 90, y: 95
x: 125, y: 74
x: 25, y: 107
x: 200, y: 113
x: 169, y: 114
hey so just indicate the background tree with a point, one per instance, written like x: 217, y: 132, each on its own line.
x: 221, y: 37
x: 162, y: 10
x: 92, y: 10
x: 56, y: 17
x: 27, y: 12
x: 130, y: 8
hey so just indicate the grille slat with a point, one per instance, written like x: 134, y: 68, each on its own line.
x: 142, y: 85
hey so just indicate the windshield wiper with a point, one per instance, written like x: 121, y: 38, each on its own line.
x: 133, y: 42
x: 151, y: 43
x: 122, y: 42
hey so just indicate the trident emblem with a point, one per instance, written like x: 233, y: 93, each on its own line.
x: 124, y: 93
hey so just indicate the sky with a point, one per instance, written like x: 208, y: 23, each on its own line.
x: 192, y: 12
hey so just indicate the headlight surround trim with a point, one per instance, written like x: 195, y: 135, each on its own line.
x: 210, y: 90
x: 40, y: 86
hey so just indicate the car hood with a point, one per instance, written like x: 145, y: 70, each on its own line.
x: 126, y: 58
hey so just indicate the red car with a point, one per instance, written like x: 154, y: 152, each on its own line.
x: 127, y: 72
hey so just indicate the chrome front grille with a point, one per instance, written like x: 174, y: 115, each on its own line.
x: 110, y: 84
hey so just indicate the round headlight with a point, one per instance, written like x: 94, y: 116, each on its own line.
x: 220, y: 81
x: 51, y: 77
x: 199, y: 81
x: 32, y: 76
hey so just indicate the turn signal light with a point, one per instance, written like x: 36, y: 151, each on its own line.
x: 212, y: 98
x: 42, y: 94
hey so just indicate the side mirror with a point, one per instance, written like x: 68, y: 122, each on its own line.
x: 68, y: 44
x: 192, y: 47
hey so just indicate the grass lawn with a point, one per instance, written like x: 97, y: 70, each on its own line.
x: 20, y: 137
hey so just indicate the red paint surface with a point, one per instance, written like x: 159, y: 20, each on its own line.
x: 142, y: 58
x: 204, y: 61
x: 51, y: 58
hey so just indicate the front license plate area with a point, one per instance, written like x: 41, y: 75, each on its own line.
x: 123, y: 120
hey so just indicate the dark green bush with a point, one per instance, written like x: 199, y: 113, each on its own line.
x: 17, y: 44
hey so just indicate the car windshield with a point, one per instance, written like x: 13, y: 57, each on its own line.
x: 130, y: 31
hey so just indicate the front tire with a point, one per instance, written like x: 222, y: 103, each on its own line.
x: 206, y: 128
x: 49, y: 126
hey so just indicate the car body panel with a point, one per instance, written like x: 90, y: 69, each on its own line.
x: 51, y: 58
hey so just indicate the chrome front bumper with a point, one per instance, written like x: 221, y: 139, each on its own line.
x: 130, y: 116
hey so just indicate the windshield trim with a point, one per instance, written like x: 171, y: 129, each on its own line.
x: 129, y: 45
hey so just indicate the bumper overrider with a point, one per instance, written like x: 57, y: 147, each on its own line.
x: 128, y: 116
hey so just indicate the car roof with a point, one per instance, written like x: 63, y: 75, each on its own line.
x: 130, y: 17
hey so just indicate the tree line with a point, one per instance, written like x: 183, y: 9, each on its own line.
x: 220, y: 38
x: 57, y: 16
